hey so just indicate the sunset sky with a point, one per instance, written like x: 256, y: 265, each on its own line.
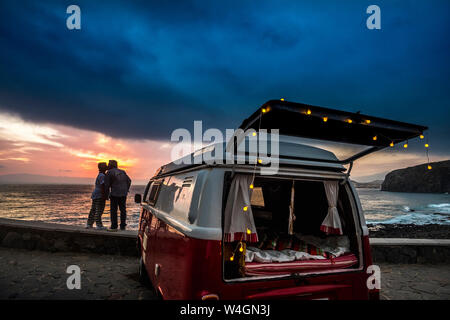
x: 118, y: 87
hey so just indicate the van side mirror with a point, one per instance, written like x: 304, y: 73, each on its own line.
x: 137, y: 198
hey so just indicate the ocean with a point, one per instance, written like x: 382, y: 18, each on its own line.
x: 70, y: 204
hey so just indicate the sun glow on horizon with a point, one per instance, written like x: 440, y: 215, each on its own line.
x: 49, y: 149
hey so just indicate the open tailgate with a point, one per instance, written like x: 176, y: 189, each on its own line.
x: 307, y: 121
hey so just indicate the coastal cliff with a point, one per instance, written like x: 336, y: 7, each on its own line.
x: 419, y: 179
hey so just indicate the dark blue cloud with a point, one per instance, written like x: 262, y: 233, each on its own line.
x: 141, y: 69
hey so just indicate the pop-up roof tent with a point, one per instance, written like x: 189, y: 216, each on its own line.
x: 307, y: 121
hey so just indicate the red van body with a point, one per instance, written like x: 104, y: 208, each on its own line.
x: 191, y: 269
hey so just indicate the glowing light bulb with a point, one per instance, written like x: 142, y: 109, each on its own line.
x: 391, y: 144
x: 249, y: 231
x: 349, y: 120
x: 254, y: 134
x: 241, y: 249
x: 263, y: 110
x: 375, y: 138
x: 426, y: 145
x: 325, y: 119
x: 308, y: 112
x: 421, y: 136
x: 282, y: 99
x: 405, y: 145
x: 368, y: 121
x: 251, y: 186
x: 259, y: 161
x: 429, y: 167
x: 245, y: 208
x: 232, y: 258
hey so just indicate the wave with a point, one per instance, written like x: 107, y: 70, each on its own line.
x: 440, y: 207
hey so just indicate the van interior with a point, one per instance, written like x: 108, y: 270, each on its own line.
x: 292, y: 243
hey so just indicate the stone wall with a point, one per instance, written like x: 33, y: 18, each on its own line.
x: 410, y: 250
x: 55, y: 237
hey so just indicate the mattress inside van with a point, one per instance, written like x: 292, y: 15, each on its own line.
x: 282, y: 268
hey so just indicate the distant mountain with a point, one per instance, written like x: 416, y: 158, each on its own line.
x: 376, y: 184
x: 25, y: 178
x: 419, y: 179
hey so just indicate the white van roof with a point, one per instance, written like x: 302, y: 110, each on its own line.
x: 291, y: 153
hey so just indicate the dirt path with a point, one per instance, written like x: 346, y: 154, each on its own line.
x: 42, y: 275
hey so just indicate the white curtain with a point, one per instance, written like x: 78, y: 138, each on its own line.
x: 332, y: 223
x: 239, y: 224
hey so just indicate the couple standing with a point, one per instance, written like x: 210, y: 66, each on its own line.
x: 114, y: 184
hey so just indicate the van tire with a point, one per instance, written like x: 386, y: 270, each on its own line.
x: 143, y: 275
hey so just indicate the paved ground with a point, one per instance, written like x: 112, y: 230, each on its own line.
x: 415, y: 281
x: 42, y: 275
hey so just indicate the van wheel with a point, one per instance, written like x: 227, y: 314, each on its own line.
x: 143, y: 276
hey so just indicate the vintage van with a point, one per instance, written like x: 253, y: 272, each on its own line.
x: 228, y: 231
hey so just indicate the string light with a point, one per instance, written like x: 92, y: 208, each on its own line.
x: 259, y: 161
x: 421, y: 136
x: 325, y: 119
x: 368, y: 121
x: 245, y: 208
x: 232, y: 258
x: 263, y: 110
x: 254, y: 134
x: 349, y: 120
x: 308, y: 112
x: 241, y: 249
x: 249, y: 231
x: 251, y: 186
x: 375, y: 138
x: 405, y: 145
x: 429, y: 167
x: 282, y: 99
x: 426, y: 145
x: 392, y: 143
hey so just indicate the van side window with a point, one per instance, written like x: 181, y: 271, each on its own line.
x: 146, y: 193
x: 154, y: 192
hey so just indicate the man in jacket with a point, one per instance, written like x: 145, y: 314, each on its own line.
x: 117, y: 185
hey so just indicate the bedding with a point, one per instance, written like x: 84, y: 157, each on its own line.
x: 286, y: 255
x: 286, y: 268
x: 299, y: 247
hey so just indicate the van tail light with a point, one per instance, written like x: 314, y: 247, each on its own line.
x: 210, y: 296
x: 374, y: 294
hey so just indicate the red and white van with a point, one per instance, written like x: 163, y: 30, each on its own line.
x: 225, y: 231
